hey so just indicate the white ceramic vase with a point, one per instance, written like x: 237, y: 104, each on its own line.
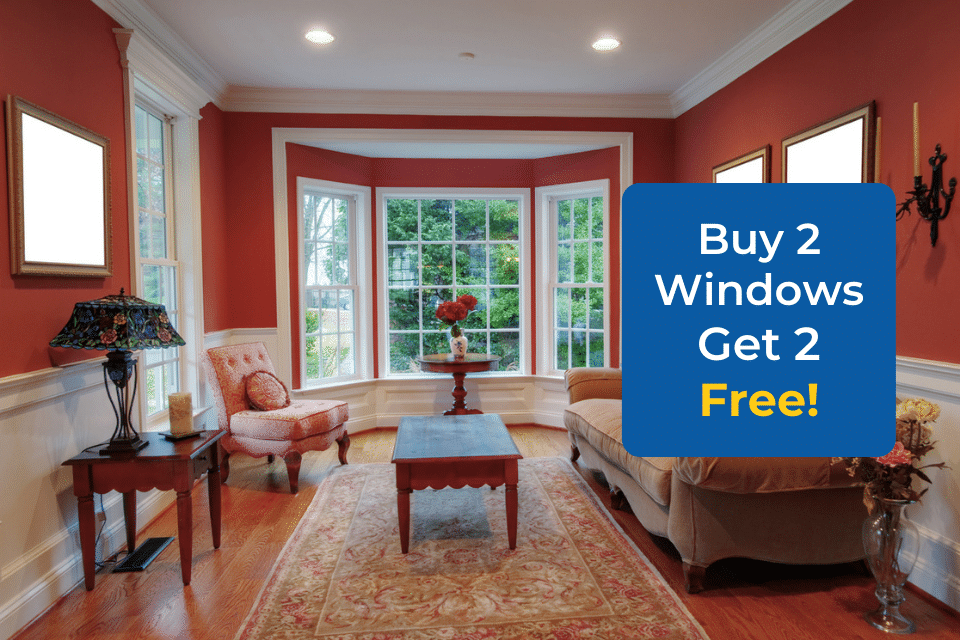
x: 458, y: 346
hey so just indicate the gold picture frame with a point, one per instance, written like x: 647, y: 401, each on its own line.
x: 838, y: 150
x: 753, y: 167
x: 59, y: 182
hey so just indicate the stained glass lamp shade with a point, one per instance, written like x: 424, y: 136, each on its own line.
x: 119, y: 324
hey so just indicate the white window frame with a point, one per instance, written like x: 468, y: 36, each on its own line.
x: 168, y: 355
x: 447, y: 193
x: 360, y: 198
x: 151, y: 77
x: 546, y: 199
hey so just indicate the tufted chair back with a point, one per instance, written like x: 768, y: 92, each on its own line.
x: 227, y: 367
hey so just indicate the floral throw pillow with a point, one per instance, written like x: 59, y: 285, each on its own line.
x: 265, y: 391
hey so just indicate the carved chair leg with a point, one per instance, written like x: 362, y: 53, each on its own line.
x: 693, y: 577
x: 293, y: 469
x: 342, y: 445
x: 574, y: 453
x: 224, y: 467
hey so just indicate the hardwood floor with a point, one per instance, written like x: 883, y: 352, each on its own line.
x: 743, y: 599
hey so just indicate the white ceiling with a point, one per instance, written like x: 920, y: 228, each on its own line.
x: 532, y: 57
x: 520, y: 45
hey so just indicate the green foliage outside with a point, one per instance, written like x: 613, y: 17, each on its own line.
x: 324, y: 358
x: 578, y: 310
x: 328, y: 315
x: 442, y: 249
x: 439, y: 249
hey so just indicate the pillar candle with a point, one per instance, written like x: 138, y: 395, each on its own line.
x: 916, y: 138
x: 181, y: 413
x: 876, y: 152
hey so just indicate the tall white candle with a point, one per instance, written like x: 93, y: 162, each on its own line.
x: 181, y: 413
x: 916, y: 138
x: 876, y: 154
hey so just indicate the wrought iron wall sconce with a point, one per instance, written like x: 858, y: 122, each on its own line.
x: 928, y: 199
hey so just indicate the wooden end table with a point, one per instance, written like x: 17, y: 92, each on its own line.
x: 162, y: 464
x: 459, y: 367
x: 454, y: 451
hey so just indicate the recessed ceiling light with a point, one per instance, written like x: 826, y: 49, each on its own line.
x: 319, y: 36
x: 606, y: 43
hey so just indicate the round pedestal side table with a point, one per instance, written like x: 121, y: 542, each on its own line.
x: 459, y: 367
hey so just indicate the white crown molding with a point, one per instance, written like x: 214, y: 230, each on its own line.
x: 158, y: 77
x: 790, y: 23
x: 447, y: 103
x: 161, y: 39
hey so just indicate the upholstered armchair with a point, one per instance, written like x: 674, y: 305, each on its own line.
x: 255, y: 410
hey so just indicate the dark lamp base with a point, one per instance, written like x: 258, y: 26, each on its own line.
x: 122, y: 446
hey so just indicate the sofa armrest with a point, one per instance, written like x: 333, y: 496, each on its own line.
x: 593, y: 382
x: 762, y: 475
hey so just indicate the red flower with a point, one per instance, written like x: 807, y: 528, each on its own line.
x: 468, y: 301
x: 896, y: 457
x: 108, y: 337
x: 452, y: 311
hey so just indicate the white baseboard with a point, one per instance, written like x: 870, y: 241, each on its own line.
x: 62, y: 554
x: 938, y: 567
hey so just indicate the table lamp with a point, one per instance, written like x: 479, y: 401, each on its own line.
x: 119, y: 324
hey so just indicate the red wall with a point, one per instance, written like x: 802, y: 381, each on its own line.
x: 890, y: 51
x: 249, y: 174
x: 62, y: 56
x: 217, y: 260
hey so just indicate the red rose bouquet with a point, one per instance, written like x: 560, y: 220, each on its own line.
x: 453, y: 311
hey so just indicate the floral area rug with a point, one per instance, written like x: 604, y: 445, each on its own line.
x: 574, y: 573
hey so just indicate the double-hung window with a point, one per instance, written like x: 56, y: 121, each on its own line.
x: 331, y: 271
x: 439, y: 246
x: 574, y: 317
x: 157, y: 269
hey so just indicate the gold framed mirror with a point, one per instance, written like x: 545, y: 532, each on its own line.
x: 59, y: 182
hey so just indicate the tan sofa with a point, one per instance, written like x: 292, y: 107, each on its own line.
x: 788, y: 510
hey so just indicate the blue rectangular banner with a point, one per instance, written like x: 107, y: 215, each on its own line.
x: 758, y: 319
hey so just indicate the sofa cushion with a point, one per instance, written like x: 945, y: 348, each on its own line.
x: 593, y: 382
x: 301, y: 419
x: 762, y: 475
x: 599, y: 422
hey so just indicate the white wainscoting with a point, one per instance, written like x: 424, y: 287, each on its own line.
x: 48, y: 416
x: 381, y: 403
x: 938, y: 517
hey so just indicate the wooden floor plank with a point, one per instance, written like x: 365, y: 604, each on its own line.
x: 744, y: 600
